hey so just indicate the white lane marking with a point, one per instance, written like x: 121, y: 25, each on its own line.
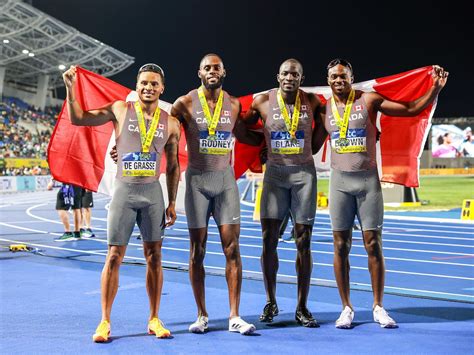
x: 252, y: 237
x: 330, y: 237
x: 221, y: 268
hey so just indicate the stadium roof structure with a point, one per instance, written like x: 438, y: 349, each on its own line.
x: 34, y: 44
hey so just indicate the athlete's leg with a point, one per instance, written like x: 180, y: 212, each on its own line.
x: 269, y: 258
x: 197, y: 251
x: 154, y: 275
x: 376, y: 263
x: 342, y: 247
x: 110, y: 278
x: 304, y: 262
x: 233, y: 270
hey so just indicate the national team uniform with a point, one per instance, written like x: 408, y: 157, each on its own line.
x: 210, y: 181
x: 138, y: 196
x: 289, y: 182
x: 354, y: 185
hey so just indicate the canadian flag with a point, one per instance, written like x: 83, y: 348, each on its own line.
x: 80, y: 155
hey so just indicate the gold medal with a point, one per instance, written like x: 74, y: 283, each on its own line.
x: 291, y: 124
x: 214, y: 119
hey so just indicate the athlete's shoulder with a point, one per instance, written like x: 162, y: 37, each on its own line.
x: 261, y: 98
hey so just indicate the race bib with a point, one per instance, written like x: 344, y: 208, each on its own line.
x: 139, y: 164
x: 355, y: 141
x: 217, y: 144
x: 282, y: 143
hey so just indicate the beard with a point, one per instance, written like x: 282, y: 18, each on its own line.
x: 215, y: 85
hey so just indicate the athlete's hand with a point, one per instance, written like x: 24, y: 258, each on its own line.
x: 69, y: 77
x: 170, y: 215
x: 113, y: 154
x: 440, y: 77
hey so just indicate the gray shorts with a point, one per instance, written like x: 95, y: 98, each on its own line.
x: 136, y: 203
x: 355, y: 194
x: 289, y: 188
x: 211, y: 192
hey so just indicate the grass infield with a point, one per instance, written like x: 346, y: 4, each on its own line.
x: 438, y: 192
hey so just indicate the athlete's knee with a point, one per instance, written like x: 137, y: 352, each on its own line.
x: 197, y: 253
x: 231, y: 250
x: 153, y: 257
x: 373, y: 246
x: 114, y: 259
x: 303, y: 241
x: 342, y: 246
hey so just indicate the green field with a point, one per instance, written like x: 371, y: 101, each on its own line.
x: 438, y: 192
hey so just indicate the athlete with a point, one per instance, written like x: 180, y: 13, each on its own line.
x: 143, y: 132
x: 208, y: 115
x: 68, y: 197
x: 350, y: 121
x: 289, y: 183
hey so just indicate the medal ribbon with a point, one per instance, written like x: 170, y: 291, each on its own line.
x: 211, y: 120
x: 146, y: 137
x: 343, y: 123
x: 291, y: 125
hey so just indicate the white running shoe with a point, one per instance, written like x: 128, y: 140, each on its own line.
x: 199, y: 326
x: 345, y: 319
x: 381, y: 316
x: 237, y: 324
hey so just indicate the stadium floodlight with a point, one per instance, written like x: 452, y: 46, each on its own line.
x: 25, y: 29
x: 61, y: 67
x: 31, y: 54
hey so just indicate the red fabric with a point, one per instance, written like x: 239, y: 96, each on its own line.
x: 76, y: 154
x: 402, y: 138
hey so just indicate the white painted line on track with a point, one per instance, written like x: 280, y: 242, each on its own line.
x: 253, y: 237
x: 427, y: 292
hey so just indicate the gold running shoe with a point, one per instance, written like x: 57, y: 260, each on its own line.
x: 156, y: 326
x: 102, y: 332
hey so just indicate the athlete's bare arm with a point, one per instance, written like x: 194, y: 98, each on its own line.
x: 172, y: 168
x: 378, y: 103
x: 98, y: 117
x: 182, y: 108
x: 258, y: 108
x: 319, y: 132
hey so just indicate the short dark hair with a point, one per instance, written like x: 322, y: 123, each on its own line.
x: 151, y: 67
x: 340, y: 61
x: 210, y: 55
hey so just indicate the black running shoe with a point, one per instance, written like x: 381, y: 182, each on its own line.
x: 304, y: 317
x: 269, y: 311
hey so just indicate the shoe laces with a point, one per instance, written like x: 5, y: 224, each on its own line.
x: 202, y: 320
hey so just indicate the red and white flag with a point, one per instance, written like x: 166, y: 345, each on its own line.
x: 80, y: 155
